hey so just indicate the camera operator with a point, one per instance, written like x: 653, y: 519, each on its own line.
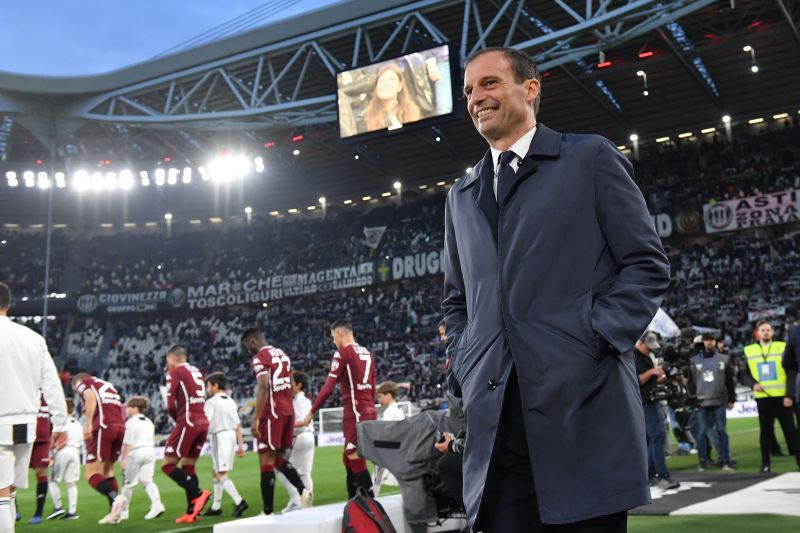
x: 711, y: 382
x: 449, y: 465
x: 649, y: 376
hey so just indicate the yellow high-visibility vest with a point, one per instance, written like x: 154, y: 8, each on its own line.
x: 765, y: 366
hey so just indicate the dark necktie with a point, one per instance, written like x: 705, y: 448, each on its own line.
x: 505, y: 175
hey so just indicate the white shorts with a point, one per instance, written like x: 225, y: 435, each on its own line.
x: 302, y: 455
x: 223, y: 449
x: 14, y: 459
x: 139, y: 466
x: 66, y: 465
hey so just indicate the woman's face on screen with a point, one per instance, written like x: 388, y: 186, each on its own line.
x: 389, y: 85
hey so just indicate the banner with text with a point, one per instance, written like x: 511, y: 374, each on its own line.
x: 255, y: 290
x: 752, y: 212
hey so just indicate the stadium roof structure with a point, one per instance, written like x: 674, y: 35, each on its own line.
x: 270, y: 92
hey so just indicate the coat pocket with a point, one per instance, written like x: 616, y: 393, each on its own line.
x: 584, y: 305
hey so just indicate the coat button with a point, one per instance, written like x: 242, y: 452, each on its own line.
x: 492, y: 385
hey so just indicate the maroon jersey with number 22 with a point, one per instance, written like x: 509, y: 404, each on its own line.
x: 278, y: 368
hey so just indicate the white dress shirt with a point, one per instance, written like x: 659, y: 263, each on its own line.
x: 520, y: 148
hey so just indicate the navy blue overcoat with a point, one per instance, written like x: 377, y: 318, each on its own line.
x: 571, y: 251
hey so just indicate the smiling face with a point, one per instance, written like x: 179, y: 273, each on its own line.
x: 501, y: 107
x: 388, y: 85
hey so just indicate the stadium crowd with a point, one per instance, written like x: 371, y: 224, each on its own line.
x: 716, y: 282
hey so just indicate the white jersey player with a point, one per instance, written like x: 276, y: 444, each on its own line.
x: 387, y: 394
x: 67, y: 468
x: 225, y: 433
x: 302, y: 454
x: 138, y: 460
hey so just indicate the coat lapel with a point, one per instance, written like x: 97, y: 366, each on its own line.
x: 546, y: 144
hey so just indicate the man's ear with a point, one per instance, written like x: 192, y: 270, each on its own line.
x: 533, y: 87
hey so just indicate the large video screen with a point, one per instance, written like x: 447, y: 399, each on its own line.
x: 388, y: 95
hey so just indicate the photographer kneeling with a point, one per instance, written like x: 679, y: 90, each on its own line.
x: 449, y: 466
x: 649, y: 376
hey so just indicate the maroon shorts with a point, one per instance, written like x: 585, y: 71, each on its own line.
x: 106, y: 444
x: 351, y: 432
x: 40, y: 455
x: 276, y: 433
x: 186, y: 441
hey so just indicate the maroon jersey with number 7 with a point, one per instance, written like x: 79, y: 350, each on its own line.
x: 353, y: 367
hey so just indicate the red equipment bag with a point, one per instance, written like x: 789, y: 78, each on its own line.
x: 364, y: 514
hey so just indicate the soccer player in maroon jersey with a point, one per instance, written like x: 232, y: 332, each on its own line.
x: 186, y: 396
x: 353, y: 368
x: 40, y: 458
x: 273, y: 422
x: 104, y: 429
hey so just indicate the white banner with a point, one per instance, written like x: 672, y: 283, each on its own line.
x: 663, y: 324
x: 373, y: 236
x: 752, y: 212
x: 767, y: 312
x: 257, y: 290
x: 746, y: 409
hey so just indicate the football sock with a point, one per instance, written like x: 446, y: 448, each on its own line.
x: 41, y: 494
x: 152, y: 491
x: 268, y: 488
x: 72, y: 498
x: 287, y: 469
x: 6, y: 518
x: 55, y: 494
x: 216, y: 503
x: 230, y: 488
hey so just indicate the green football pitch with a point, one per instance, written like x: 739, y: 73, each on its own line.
x: 329, y: 487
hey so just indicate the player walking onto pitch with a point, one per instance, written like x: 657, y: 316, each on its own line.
x: 67, y: 468
x: 225, y: 431
x: 186, y: 393
x: 40, y: 459
x: 104, y: 429
x: 273, y: 422
x: 353, y: 368
x: 138, y: 460
x: 302, y: 454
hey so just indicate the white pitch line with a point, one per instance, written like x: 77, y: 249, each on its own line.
x: 190, y: 528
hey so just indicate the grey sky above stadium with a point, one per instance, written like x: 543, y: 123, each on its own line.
x: 64, y: 38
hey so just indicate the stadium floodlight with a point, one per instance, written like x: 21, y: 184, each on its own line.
x: 685, y: 135
x: 296, y: 151
x: 167, y: 216
x: 642, y: 74
x: 397, y: 185
x: 111, y: 180
x: 468, y: 170
x: 348, y: 202
x: 662, y: 139
x: 97, y: 182
x: 172, y: 176
x: 708, y: 130
x: 42, y: 180
x: 80, y: 180
x: 753, y: 121
x: 274, y: 213
x: 438, y: 139
x: 258, y: 163
x: 161, y: 176
x: 125, y: 179
x: 366, y: 198
x: 441, y: 183
x: 311, y: 208
x: 323, y: 200
x: 780, y: 116
x: 726, y: 119
x: 13, y: 183
x: 187, y: 175
x: 248, y: 210
x: 29, y: 178
x: 356, y: 156
x: 634, y: 137
x: 241, y: 166
x: 11, y: 175
x: 752, y: 51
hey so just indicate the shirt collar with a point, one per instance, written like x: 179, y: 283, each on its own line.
x: 520, y: 147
